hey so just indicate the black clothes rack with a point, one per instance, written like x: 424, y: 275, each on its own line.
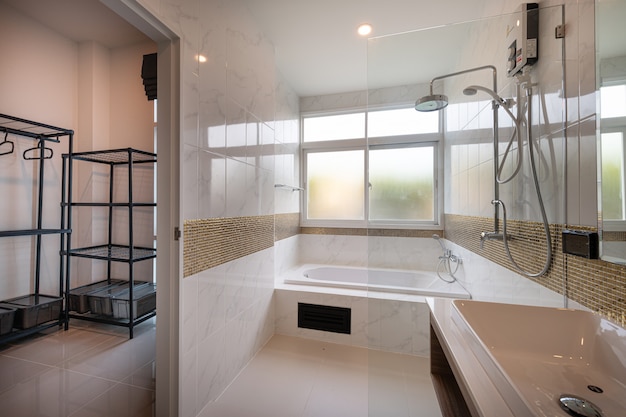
x: 43, y: 134
x: 141, y: 299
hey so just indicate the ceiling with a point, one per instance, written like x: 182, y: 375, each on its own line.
x: 81, y: 20
x: 317, y: 48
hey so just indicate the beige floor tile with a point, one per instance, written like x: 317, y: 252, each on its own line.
x: 14, y: 372
x: 55, y: 393
x: 120, y: 401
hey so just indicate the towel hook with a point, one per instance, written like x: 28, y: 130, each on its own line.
x: 8, y: 142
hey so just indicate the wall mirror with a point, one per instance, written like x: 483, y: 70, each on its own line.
x: 611, y: 117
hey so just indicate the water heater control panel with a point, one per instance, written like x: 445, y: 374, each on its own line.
x: 522, y: 35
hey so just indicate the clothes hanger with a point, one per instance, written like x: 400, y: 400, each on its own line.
x: 6, y: 142
x: 45, y: 152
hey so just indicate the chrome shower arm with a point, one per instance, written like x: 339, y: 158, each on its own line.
x: 454, y: 74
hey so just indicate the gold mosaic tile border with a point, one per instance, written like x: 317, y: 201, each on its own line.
x: 403, y: 233
x: 208, y: 243
x: 333, y: 231
x: 369, y: 232
x: 598, y: 285
x: 287, y: 225
x: 613, y: 236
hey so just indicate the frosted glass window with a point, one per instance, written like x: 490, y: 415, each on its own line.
x: 613, y: 101
x: 401, y: 122
x: 612, y: 176
x: 335, y: 185
x: 335, y: 127
x: 402, y: 183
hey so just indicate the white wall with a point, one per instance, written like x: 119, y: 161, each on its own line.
x: 131, y: 122
x: 38, y: 82
x: 239, y: 131
x: 81, y: 86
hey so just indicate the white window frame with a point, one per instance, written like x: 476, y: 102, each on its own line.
x: 612, y: 125
x: 425, y: 139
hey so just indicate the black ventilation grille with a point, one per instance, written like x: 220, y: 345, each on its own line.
x: 325, y: 318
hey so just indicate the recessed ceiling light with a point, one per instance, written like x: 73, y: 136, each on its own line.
x: 364, y: 29
x: 201, y: 58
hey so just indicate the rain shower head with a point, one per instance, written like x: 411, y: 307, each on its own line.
x: 432, y: 102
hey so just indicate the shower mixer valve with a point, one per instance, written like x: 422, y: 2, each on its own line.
x: 491, y: 236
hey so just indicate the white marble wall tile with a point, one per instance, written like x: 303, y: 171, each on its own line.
x: 333, y: 250
x: 588, y: 173
x: 473, y: 191
x: 287, y: 172
x: 211, y: 302
x: 403, y: 253
x: 211, y: 185
x: 349, y: 100
x: 189, y: 191
x: 212, y: 369
x: 239, y: 288
x: 286, y: 254
x: 264, y: 312
x: 488, y: 281
x: 189, y: 384
x: 212, y: 27
x: 251, y: 68
x: 420, y: 318
x: 395, y: 327
x: 266, y: 185
x: 236, y: 130
x: 189, y: 317
x: 574, y: 169
x: 236, y: 188
x: 264, y: 268
x: 487, y: 188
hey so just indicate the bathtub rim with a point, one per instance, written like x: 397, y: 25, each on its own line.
x: 294, y: 278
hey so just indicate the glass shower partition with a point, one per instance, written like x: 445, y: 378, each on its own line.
x: 400, y: 68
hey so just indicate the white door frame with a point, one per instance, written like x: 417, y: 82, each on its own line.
x: 168, y: 262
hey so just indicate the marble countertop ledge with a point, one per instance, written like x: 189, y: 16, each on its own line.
x: 480, y: 393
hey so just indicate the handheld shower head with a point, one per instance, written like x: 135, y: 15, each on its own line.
x: 432, y: 102
x: 472, y: 90
x: 438, y: 239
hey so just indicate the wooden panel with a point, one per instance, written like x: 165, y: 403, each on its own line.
x: 449, y: 396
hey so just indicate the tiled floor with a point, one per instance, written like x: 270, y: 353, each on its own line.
x: 294, y: 377
x: 90, y: 370
x: 96, y: 371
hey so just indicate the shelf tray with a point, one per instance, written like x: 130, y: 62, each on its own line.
x: 23, y: 127
x: 115, y: 156
x: 118, y: 253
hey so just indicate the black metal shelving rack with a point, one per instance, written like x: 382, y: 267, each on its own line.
x: 42, y: 134
x: 109, y: 252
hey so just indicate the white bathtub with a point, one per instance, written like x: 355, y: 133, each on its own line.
x: 381, y: 280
